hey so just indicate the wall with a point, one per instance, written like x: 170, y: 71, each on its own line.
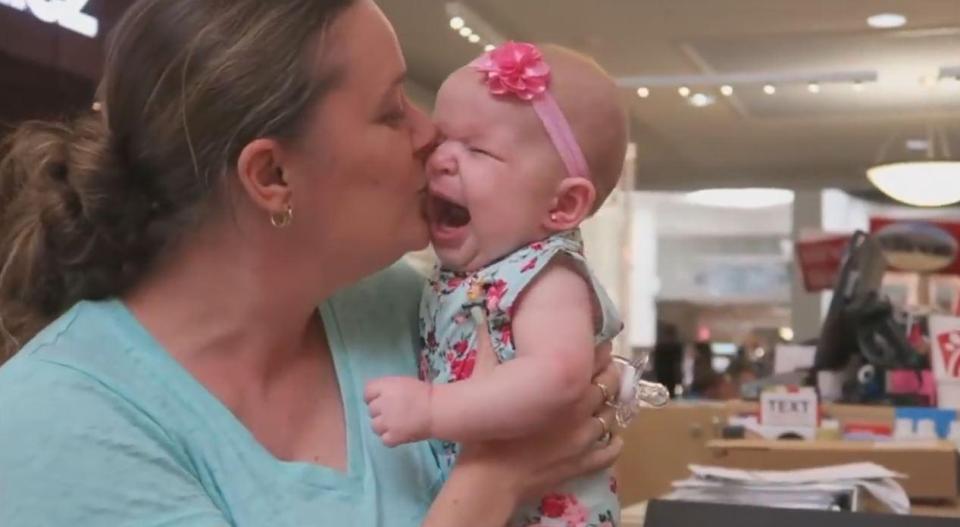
x: 728, y: 270
x: 608, y: 238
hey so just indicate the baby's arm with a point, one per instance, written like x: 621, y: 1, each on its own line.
x: 554, y: 335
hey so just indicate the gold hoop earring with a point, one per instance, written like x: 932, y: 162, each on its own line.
x: 283, y: 219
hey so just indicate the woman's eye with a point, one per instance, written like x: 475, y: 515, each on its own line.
x: 394, y: 117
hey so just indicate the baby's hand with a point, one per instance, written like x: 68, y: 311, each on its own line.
x: 400, y: 409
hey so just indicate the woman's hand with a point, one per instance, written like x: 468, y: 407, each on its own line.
x: 491, y: 479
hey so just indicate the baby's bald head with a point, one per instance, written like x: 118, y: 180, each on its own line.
x: 590, y: 100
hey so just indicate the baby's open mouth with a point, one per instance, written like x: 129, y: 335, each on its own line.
x: 446, y: 213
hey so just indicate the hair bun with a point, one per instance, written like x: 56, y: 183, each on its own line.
x: 72, y: 224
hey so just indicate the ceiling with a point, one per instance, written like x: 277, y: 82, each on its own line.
x: 48, y: 72
x: 793, y: 138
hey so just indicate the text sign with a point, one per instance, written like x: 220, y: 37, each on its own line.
x: 799, y: 408
x: 67, y: 14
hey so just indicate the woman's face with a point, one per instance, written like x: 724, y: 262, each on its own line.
x: 357, y: 173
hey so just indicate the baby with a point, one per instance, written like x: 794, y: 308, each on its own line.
x: 532, y: 144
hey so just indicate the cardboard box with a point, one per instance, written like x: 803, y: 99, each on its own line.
x: 930, y: 467
x: 662, y: 443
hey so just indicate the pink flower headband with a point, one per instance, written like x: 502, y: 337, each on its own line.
x: 518, y: 69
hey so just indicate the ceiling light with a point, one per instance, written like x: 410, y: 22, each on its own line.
x: 457, y: 23
x: 726, y: 90
x: 684, y: 91
x: 918, y: 145
x: 741, y: 198
x: 465, y: 32
x: 474, y: 38
x: 700, y: 100
x: 643, y: 92
x: 813, y: 87
x: 786, y: 334
x: 489, y: 47
x: 769, y: 89
x: 887, y: 20
x: 919, y: 183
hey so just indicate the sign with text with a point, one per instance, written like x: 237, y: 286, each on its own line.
x: 819, y: 259
x: 67, y: 14
x: 945, y: 338
x: 793, y: 408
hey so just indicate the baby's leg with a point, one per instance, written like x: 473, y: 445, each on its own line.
x: 586, y: 502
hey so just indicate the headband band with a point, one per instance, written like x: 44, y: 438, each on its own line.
x: 518, y: 69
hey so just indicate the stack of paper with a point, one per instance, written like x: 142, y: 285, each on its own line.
x: 827, y: 488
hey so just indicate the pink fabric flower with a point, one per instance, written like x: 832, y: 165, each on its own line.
x: 462, y: 368
x: 576, y: 513
x: 529, y: 266
x: 495, y: 294
x: 515, y: 68
x: 424, y: 368
x: 506, y: 335
x: 553, y: 505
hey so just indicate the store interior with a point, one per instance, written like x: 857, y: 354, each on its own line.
x: 784, y: 244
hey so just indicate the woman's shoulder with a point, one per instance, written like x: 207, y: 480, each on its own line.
x: 80, y: 368
x: 89, y: 371
x: 67, y: 433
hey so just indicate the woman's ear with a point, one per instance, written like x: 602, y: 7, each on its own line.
x: 573, y: 204
x: 262, y: 177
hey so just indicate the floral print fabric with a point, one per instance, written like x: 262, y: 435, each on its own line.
x: 449, y: 350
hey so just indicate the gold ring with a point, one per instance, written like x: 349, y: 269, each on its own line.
x: 605, y: 427
x: 604, y: 392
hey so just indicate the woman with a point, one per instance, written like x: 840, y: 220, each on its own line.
x: 163, y: 263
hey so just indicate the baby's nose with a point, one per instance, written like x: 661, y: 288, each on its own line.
x: 442, y: 163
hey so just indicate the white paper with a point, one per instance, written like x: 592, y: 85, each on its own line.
x: 888, y: 492
x: 875, y: 479
x: 810, y: 475
x: 790, y: 358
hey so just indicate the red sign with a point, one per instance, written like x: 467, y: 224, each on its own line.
x: 820, y: 260
x: 950, y: 351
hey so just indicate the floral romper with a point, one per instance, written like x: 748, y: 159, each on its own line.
x: 449, y: 348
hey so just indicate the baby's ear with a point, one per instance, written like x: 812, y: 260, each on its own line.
x: 573, y: 204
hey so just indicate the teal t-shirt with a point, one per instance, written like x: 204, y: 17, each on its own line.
x: 99, y: 426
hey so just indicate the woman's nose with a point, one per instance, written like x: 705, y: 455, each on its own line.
x: 423, y: 133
